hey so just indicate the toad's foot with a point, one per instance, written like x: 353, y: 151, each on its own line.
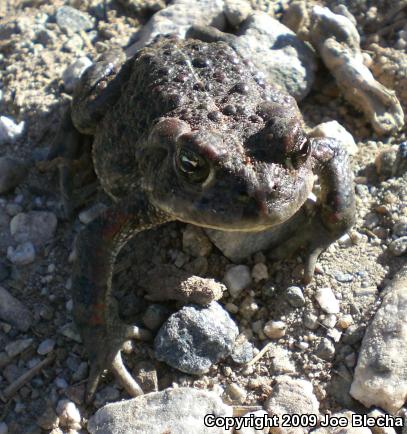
x: 104, y: 346
x: 312, y: 239
x: 95, y: 311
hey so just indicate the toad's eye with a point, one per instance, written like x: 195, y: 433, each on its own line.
x: 192, y: 166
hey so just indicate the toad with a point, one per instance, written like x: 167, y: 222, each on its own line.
x: 188, y: 130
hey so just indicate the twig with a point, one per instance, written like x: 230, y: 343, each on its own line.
x: 260, y: 354
x: 11, y: 390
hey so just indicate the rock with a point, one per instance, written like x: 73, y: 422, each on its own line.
x: 295, y: 296
x: 177, y: 18
x: 12, y: 172
x: 276, y: 51
x: 49, y: 419
x: 155, y: 315
x: 400, y: 165
x: 237, y: 278
x: 23, y: 254
x: 9, y: 130
x: 69, y: 415
x: 327, y: 300
x: 335, y: 130
x: 73, y: 20
x: 3, y: 428
x: 275, y: 329
x: 337, y: 41
x: 281, y: 362
x: 260, y: 272
x: 343, y: 277
x: 236, y: 11
x: 14, y: 312
x: 195, y: 242
x: 400, y: 227
x: 243, y: 350
x: 380, y: 376
x: 180, y: 411
x: 291, y: 396
x: 250, y: 430
x: 325, y: 349
x: 398, y: 246
x: 87, y: 215
x: 105, y: 395
x: 46, y: 346
x: 385, y: 160
x: 310, y: 321
x: 235, y: 393
x: 15, y: 348
x: 195, y: 338
x: 35, y: 226
x: 74, y: 71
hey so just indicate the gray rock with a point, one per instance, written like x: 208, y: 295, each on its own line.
x: 278, y: 53
x: 295, y: 296
x: 35, y: 226
x: 180, y: 411
x: 9, y: 130
x: 237, y: 278
x: 178, y: 17
x: 400, y: 227
x: 400, y: 165
x: 72, y: 19
x: 292, y: 396
x: 325, y: 349
x: 195, y: 338
x: 12, y: 173
x: 23, y: 254
x: 155, y: 315
x: 46, y: 346
x: 243, y: 350
x: 398, y: 246
x: 343, y: 277
x: 87, y: 215
x: 236, y: 11
x: 380, y: 376
x: 15, y: 348
x: 281, y: 362
x: 310, y: 320
x: 14, y: 312
x: 74, y: 71
x: 327, y: 300
x: 195, y: 242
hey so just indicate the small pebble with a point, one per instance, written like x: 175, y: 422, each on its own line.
x: 398, y: 246
x: 310, y: 321
x: 329, y: 321
x: 237, y: 278
x: 86, y: 216
x: 345, y: 321
x: 23, y: 254
x: 46, y: 346
x: 73, y: 19
x: 155, y: 315
x: 325, y: 349
x: 236, y: 393
x: 275, y: 329
x: 260, y: 272
x: 343, y: 277
x: 15, y: 348
x: 68, y: 414
x: 195, y: 242
x: 327, y: 300
x: 3, y: 428
x: 9, y: 130
x: 295, y: 296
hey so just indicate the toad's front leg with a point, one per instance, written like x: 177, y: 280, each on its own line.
x: 95, y: 312
x: 334, y: 213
